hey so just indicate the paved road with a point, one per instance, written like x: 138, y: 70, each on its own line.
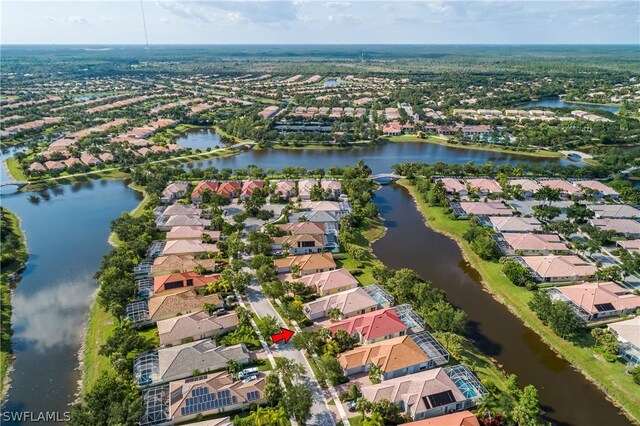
x: 320, y: 413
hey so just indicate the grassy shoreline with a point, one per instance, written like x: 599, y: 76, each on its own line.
x: 18, y: 263
x: 608, y: 377
x: 100, y: 324
x: 476, y: 147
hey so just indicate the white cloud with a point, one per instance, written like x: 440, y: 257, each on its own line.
x: 337, y: 5
x: 46, y: 19
x: 78, y: 20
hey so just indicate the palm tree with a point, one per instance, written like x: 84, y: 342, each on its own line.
x: 278, y: 417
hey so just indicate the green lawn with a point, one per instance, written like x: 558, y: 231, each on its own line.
x: 13, y: 167
x: 610, y: 377
x: 440, y: 140
x: 100, y: 328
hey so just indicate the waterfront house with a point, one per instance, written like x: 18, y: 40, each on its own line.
x: 212, y: 394
x: 632, y: 246
x: 430, y: 393
x: 207, y: 185
x: 304, y: 188
x: 520, y: 224
x: 191, y: 233
x: 454, y: 186
x: 165, y: 265
x: 392, y: 128
x: 182, y: 280
x: 484, y: 187
x: 308, y: 263
x: 249, y: 186
x: 195, y: 326
x: 194, y: 247
x: 462, y: 418
x: 332, y: 187
x: 598, y: 188
x: 330, y: 220
x: 528, y: 186
x: 285, y: 189
x: 554, y: 268
x: 166, y: 223
x: 465, y: 209
x: 566, y: 189
x: 229, y: 189
x: 174, y: 191
x: 179, y: 362
x: 396, y: 357
x: 372, y: 327
x: 595, y: 300
x: 178, y: 302
x: 615, y: 211
x: 179, y: 210
x: 310, y: 228
x: 628, y: 334
x: 527, y: 244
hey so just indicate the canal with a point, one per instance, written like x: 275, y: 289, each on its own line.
x: 565, y: 395
x: 67, y: 228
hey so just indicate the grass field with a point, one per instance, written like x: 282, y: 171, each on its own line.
x: 610, y: 377
x: 439, y: 140
x: 14, y: 170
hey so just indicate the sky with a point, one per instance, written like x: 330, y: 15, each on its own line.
x: 320, y: 22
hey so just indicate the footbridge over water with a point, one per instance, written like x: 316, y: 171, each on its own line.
x: 386, y: 178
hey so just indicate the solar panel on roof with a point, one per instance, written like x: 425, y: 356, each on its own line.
x: 600, y: 307
x: 441, y: 398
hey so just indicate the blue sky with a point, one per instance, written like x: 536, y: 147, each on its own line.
x: 316, y: 21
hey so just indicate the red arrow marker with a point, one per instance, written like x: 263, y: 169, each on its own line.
x: 285, y: 334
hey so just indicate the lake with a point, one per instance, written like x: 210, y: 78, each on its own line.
x: 67, y: 229
x: 566, y: 397
x: 559, y: 103
x: 199, y: 139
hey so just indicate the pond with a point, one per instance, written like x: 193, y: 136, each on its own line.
x: 199, y: 139
x: 559, y: 103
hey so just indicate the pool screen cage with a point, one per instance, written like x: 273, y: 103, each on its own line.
x: 430, y: 346
x: 155, y: 402
x: 466, y: 381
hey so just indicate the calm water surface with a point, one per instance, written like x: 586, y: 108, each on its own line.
x: 199, y: 139
x: 66, y: 230
x: 565, y: 395
x: 559, y: 103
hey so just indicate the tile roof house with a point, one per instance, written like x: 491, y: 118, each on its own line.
x: 351, y: 302
x: 179, y: 362
x: 484, y: 186
x: 304, y: 188
x: 626, y: 227
x: 194, y: 247
x: 174, y: 191
x: 195, y: 326
x: 529, y: 186
x: 429, y: 393
x: 213, y: 393
x: 196, y: 194
x: 484, y: 209
x: 566, y: 189
x: 330, y: 220
x: 298, y: 244
x: 181, y: 210
x: 599, y: 188
x: 594, y: 300
x: 454, y: 186
x: 515, y: 224
x: 191, y: 233
x: 165, y: 223
x: 229, y: 189
x: 249, y: 186
x: 527, y: 244
x: 329, y: 282
x: 372, y: 327
x: 182, y: 280
x: 308, y: 263
x: 396, y: 357
x: 615, y: 211
x: 177, y: 302
x: 461, y: 418
x: 89, y: 159
x: 632, y: 246
x: 392, y: 128
x: 553, y: 268
x: 285, y: 189
x: 311, y: 228
x: 628, y: 333
x: 333, y: 187
x: 54, y: 165
x: 165, y: 265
